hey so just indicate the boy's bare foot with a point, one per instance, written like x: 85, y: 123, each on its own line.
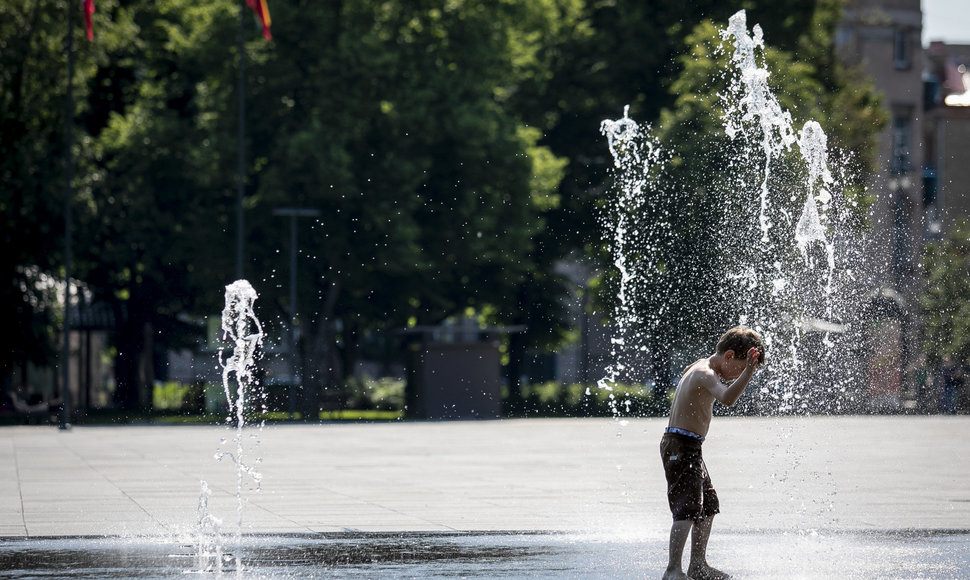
x: 675, y: 575
x: 706, y: 572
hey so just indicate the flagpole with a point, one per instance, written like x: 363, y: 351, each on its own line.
x: 241, y: 161
x: 68, y: 197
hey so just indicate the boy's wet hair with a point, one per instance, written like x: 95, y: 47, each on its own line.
x: 741, y: 339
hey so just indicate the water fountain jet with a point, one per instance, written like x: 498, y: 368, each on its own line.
x: 773, y: 264
x: 242, y: 330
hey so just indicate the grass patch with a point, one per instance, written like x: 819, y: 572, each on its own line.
x: 361, y: 415
x: 553, y: 399
x: 283, y: 417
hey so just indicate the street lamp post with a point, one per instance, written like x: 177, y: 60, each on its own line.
x: 241, y: 140
x: 293, y: 213
x: 68, y: 200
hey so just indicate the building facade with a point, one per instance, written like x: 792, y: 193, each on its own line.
x: 921, y: 186
x: 881, y: 39
x: 947, y: 130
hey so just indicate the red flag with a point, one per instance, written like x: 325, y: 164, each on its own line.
x: 88, y: 12
x: 262, y: 12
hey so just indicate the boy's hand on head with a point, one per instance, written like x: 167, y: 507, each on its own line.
x: 754, y: 355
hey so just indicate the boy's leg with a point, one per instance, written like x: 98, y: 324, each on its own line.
x: 699, y: 569
x: 678, y: 539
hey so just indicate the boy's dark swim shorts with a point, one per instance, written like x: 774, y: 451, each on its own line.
x: 689, y: 490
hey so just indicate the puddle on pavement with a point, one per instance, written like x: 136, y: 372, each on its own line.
x: 914, y: 554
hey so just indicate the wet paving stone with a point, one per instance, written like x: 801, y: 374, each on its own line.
x: 902, y: 554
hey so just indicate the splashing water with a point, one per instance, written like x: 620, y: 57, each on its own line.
x: 813, y: 145
x: 242, y: 330
x: 772, y: 256
x: 800, y: 291
x: 755, y: 106
x: 209, y: 536
x: 636, y: 158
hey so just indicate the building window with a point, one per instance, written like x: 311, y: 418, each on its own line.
x: 931, y: 91
x: 929, y: 185
x: 901, y: 163
x: 901, y: 48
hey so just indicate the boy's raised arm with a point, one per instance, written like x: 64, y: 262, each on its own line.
x: 729, y: 394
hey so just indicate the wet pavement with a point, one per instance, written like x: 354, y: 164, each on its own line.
x: 849, y: 497
x: 938, y: 555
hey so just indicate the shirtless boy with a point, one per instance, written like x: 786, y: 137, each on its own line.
x: 693, y: 501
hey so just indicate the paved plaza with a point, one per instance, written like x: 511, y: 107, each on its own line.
x: 805, y: 498
x: 549, y: 475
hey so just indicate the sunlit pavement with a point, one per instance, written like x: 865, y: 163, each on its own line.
x: 846, y: 490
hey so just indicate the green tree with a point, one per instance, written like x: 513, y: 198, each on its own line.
x: 391, y: 119
x: 946, y: 299
x: 136, y: 176
x: 432, y: 136
x: 690, y: 252
x: 625, y: 52
x: 158, y: 180
x: 615, y: 53
x: 33, y: 85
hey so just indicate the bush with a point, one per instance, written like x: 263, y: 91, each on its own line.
x: 175, y: 396
x: 554, y: 399
x: 385, y: 394
x: 168, y: 396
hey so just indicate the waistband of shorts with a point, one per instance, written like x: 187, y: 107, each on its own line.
x: 684, y: 432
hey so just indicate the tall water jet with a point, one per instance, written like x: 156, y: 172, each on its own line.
x: 637, y: 162
x: 752, y: 108
x: 241, y: 328
x: 754, y: 242
x: 243, y: 332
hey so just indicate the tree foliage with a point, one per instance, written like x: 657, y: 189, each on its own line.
x: 449, y: 146
x: 687, y: 242
x: 946, y: 299
x: 712, y: 171
x: 390, y: 118
x: 33, y: 85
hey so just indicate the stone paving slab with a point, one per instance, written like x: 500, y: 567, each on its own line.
x: 565, y: 475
